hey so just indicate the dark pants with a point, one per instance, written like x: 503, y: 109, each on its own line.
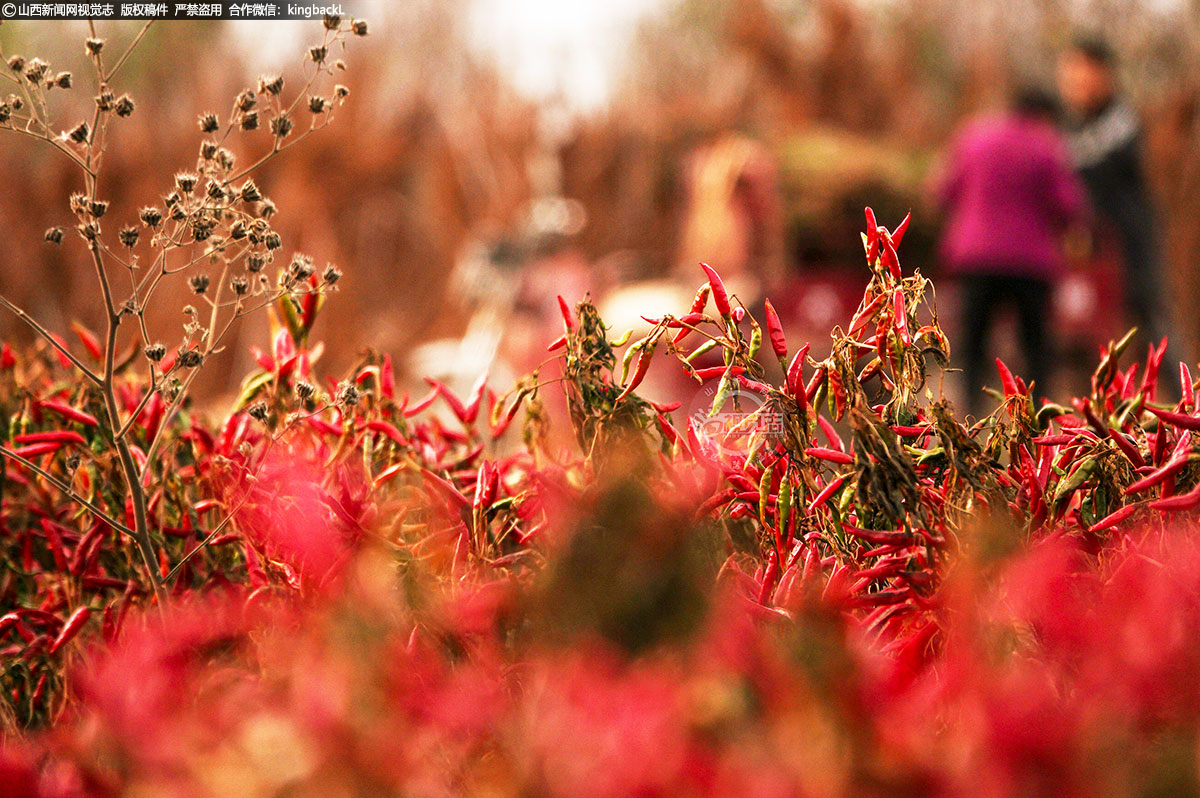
x: 984, y: 297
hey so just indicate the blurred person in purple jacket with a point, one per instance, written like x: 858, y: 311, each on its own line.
x: 1009, y: 194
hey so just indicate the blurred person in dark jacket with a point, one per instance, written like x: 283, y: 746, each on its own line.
x: 1009, y: 194
x: 1105, y: 139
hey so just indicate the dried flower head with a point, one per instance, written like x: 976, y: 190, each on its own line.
x: 94, y: 46
x: 240, y: 285
x: 273, y: 240
x: 249, y: 120
x: 249, y: 192
x: 246, y: 100
x: 255, y: 262
x: 359, y: 26
x: 5, y: 112
x: 151, y: 217
x: 54, y: 235
x: 35, y: 70
x: 347, y: 394
x: 331, y: 274
x: 318, y: 54
x: 238, y: 231
x: 16, y: 63
x: 209, y: 123
x: 63, y: 80
x: 155, y: 352
x: 208, y: 148
x: 317, y: 104
x: 80, y: 133
x: 124, y: 107
x: 106, y: 100
x: 190, y: 358
x: 202, y: 227
x: 73, y: 462
x: 258, y: 411
x: 281, y: 126
x: 128, y: 236
x: 224, y: 158
x: 97, y: 208
x: 89, y: 231
x: 78, y: 202
x: 16, y: 102
x: 305, y: 390
x: 186, y: 182
x: 199, y: 283
x: 332, y: 21
x: 270, y: 84
x: 341, y: 92
x: 214, y: 190
x: 267, y: 209
x: 301, y: 267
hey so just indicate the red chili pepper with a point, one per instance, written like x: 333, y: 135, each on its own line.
x: 890, y: 260
x: 795, y: 376
x: 753, y: 385
x: 719, y: 294
x: 446, y: 487
x: 456, y: 405
x: 1181, y: 420
x: 699, y: 302
x: 1160, y: 474
x: 772, y: 574
x: 7, y: 358
x: 563, y: 308
x: 826, y: 492
x: 390, y: 430
x: 865, y: 313
x: 713, y: 372
x: 898, y: 233
x: 639, y: 372
x: 1007, y: 380
x: 388, y: 473
x: 1127, y: 448
x: 90, y: 342
x: 429, y: 399
x: 37, y: 449
x: 872, y: 228
x: 487, y: 485
x: 71, y: 628
x: 715, y: 501
x: 832, y: 455
x: 1153, y: 363
x: 68, y: 412
x: 775, y: 331
x: 835, y: 440
x: 1184, y: 501
x: 814, y: 383
x: 901, y: 316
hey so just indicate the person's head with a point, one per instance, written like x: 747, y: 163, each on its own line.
x: 1034, y: 102
x: 1087, y: 74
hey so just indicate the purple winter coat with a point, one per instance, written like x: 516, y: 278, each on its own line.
x: 1008, y: 193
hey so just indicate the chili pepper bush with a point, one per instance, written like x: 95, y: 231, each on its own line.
x: 820, y: 582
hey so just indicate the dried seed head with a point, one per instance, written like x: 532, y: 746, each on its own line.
x: 331, y: 274
x: 317, y: 104
x: 331, y: 21
x: 172, y: 389
x: 172, y: 199
x: 255, y: 262
x: 208, y: 149
x: 209, y: 123
x: 240, y: 285
x: 202, y: 227
x: 347, y: 394
x: 90, y: 231
x: 246, y: 100
x: 73, y: 462
x: 190, y: 358
x: 94, y: 46
x: 359, y: 26
x: 106, y: 100
x: 270, y: 84
x: 267, y: 209
x: 258, y: 411
x: 97, y: 208
x: 54, y: 235
x: 16, y: 63
x: 318, y: 54
x: 301, y: 267
x: 128, y: 236
x: 214, y: 190
x: 155, y: 352
x: 124, y: 106
x: 16, y: 102
x: 35, y: 70
x: 5, y: 112
x: 80, y: 134
x: 281, y: 126
x: 249, y: 192
x: 305, y: 390
x: 224, y: 158
x: 186, y: 182
x: 151, y: 217
x: 63, y: 80
x: 238, y: 231
x: 341, y: 92
x: 79, y: 202
x: 273, y: 241
x: 249, y: 121
x: 199, y: 283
